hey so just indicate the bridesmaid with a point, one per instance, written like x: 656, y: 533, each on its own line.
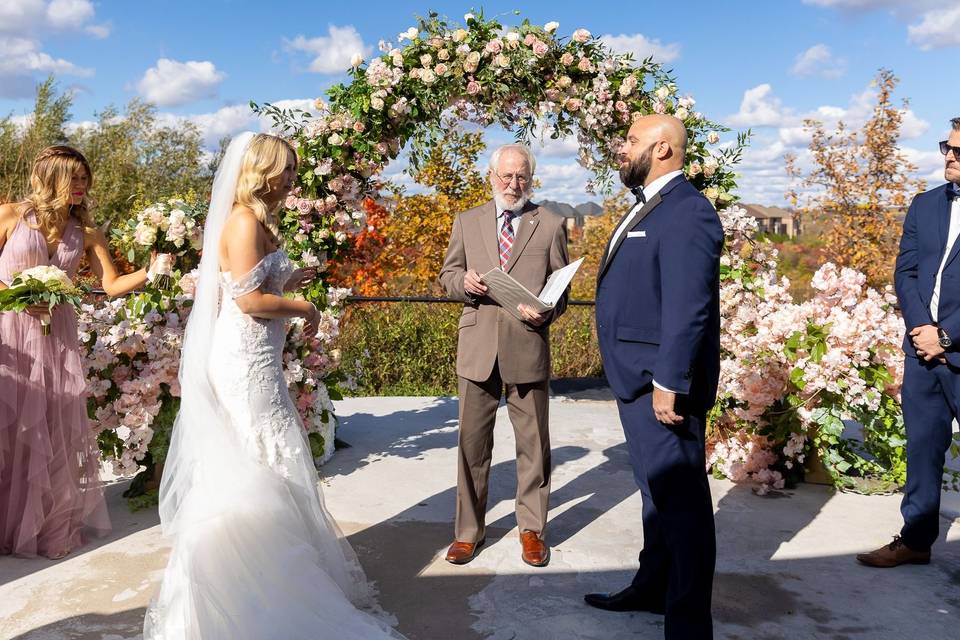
x: 51, y: 497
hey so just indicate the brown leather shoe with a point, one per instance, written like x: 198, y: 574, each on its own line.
x: 463, y: 552
x: 535, y: 551
x: 893, y: 555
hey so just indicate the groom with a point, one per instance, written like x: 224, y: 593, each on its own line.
x: 658, y: 324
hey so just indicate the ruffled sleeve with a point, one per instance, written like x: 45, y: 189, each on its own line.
x: 250, y: 281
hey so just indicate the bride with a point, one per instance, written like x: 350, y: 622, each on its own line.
x: 255, y: 553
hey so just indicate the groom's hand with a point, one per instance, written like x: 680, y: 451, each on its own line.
x: 663, y: 404
x: 473, y: 284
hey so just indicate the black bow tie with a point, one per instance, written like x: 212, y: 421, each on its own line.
x: 638, y: 194
x: 953, y: 190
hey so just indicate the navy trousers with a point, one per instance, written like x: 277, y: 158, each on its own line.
x: 679, y: 544
x: 929, y: 398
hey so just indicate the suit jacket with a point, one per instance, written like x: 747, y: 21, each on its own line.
x: 658, y: 297
x: 922, y: 245
x: 487, y: 333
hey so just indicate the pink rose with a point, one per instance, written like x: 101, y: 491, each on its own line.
x: 659, y: 107
x: 573, y: 104
x: 305, y: 206
x: 581, y: 35
x: 359, y: 127
x: 473, y: 87
x: 621, y: 106
x: 494, y: 46
x: 584, y: 65
x: 566, y: 59
x: 540, y: 48
x: 530, y: 39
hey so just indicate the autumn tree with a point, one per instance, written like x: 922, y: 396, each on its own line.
x: 591, y: 243
x: 859, y: 182
x: 417, y: 230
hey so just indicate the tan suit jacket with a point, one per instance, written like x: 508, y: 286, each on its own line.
x: 487, y: 333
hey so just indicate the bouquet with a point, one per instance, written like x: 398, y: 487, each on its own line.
x: 173, y: 227
x: 39, y: 286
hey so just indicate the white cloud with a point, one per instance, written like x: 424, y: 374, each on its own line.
x: 230, y: 120
x: 69, y: 14
x: 819, y: 60
x: 760, y: 108
x: 172, y: 83
x: 642, y: 47
x: 31, y: 17
x: 22, y: 56
x: 23, y: 23
x: 331, y: 53
x: 938, y: 28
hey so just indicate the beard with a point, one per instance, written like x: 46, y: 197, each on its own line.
x: 517, y: 206
x: 634, y: 173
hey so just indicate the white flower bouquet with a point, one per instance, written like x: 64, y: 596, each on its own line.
x: 173, y: 227
x: 43, y: 285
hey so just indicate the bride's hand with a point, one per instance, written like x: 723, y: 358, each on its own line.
x: 301, y: 278
x: 313, y: 321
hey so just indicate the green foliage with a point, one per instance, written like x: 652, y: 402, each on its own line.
x: 132, y: 154
x: 19, y: 145
x: 411, y: 348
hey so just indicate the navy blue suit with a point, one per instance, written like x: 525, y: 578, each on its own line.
x: 658, y: 317
x: 930, y: 395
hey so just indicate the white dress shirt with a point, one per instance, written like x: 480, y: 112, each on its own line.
x: 951, y: 239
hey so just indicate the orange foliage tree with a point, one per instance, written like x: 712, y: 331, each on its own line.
x: 859, y: 182
x: 412, y: 237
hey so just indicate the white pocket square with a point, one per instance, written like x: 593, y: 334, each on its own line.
x: 636, y: 234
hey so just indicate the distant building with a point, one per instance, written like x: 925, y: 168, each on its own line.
x: 575, y: 216
x: 774, y: 220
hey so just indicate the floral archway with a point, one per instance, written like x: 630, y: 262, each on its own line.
x: 791, y: 373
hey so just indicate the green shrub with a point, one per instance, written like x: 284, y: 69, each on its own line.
x: 411, y: 348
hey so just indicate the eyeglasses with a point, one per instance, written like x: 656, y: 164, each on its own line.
x: 508, y: 179
x: 946, y: 147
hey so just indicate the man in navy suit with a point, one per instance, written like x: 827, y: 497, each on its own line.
x: 928, y: 288
x: 658, y: 324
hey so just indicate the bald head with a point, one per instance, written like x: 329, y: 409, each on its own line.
x: 655, y: 145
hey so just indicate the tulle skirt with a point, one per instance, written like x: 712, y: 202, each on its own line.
x: 51, y: 497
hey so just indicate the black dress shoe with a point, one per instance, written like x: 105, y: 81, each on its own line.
x: 630, y: 599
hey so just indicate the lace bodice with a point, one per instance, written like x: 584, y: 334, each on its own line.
x: 246, y: 365
x: 270, y: 274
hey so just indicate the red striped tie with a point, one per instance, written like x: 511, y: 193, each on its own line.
x: 506, y: 238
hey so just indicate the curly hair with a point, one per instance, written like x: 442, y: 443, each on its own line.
x: 50, y: 196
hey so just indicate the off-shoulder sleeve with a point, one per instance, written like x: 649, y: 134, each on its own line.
x: 249, y: 281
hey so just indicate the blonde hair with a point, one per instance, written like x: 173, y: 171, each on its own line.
x: 265, y: 159
x: 50, y: 194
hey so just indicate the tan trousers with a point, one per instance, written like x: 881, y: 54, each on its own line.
x: 527, y: 405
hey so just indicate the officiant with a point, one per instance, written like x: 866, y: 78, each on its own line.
x: 499, y: 354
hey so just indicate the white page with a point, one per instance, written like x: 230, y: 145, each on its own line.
x: 558, y: 282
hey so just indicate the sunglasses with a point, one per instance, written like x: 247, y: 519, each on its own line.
x: 946, y: 148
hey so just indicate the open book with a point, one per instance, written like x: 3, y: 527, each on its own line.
x: 509, y: 293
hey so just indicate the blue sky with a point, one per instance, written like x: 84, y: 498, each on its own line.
x: 763, y: 65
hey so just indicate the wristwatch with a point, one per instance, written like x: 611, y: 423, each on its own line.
x: 945, y: 340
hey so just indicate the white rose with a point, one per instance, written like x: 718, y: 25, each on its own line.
x: 681, y: 113
x: 467, y: 17
x: 335, y: 140
x: 662, y: 93
x: 376, y: 103
x: 550, y: 27
x: 513, y: 36
x: 356, y: 60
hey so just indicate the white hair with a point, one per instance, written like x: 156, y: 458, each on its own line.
x: 519, y: 148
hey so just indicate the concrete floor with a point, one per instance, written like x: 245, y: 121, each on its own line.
x: 785, y: 562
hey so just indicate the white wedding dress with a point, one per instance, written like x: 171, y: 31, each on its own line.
x: 255, y: 555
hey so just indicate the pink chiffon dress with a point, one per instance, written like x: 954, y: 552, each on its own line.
x: 51, y: 496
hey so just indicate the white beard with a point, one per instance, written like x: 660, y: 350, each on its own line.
x: 517, y: 206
